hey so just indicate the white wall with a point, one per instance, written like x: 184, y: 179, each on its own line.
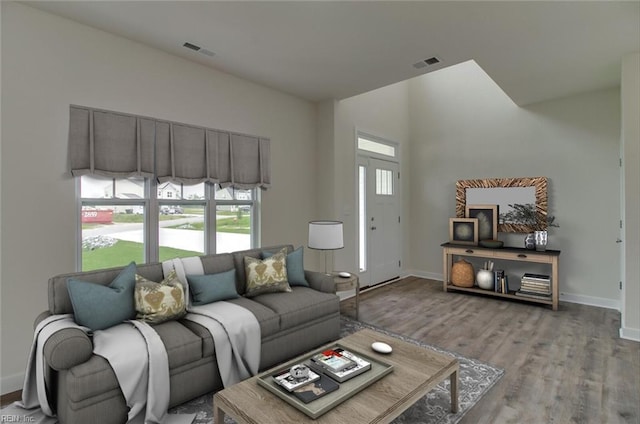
x: 631, y: 236
x: 384, y: 113
x: 48, y: 63
x: 464, y: 127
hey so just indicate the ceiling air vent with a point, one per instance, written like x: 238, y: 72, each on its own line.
x: 426, y: 62
x: 191, y: 46
x: 198, y: 49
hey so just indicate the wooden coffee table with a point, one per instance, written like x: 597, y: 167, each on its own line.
x: 416, y: 371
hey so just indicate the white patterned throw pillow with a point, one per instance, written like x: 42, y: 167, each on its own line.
x: 159, y: 302
x: 266, y: 276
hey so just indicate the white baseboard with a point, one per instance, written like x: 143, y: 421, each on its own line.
x: 11, y: 383
x: 423, y: 274
x: 630, y: 334
x: 565, y: 297
x: 590, y: 301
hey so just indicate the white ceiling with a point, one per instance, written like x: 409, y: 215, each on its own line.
x: 320, y: 50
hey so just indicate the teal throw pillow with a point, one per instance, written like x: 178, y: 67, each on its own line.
x: 99, y: 307
x: 295, y: 267
x: 210, y: 288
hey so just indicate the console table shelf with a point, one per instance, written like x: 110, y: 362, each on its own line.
x: 550, y: 257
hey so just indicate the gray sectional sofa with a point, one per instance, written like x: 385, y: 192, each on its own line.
x: 84, y: 387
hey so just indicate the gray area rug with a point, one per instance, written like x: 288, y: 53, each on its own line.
x: 475, y: 379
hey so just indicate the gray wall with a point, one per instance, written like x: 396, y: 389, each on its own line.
x: 48, y: 63
x: 631, y: 235
x: 464, y: 127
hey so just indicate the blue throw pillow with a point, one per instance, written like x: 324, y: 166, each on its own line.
x: 295, y: 267
x: 99, y: 307
x: 210, y: 288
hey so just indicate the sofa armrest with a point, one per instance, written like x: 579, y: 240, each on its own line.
x: 320, y: 281
x: 67, y: 348
x: 39, y: 318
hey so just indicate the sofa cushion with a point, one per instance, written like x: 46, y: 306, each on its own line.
x: 210, y: 288
x: 99, y: 307
x: 269, y: 323
x: 214, y: 264
x: 295, y: 267
x: 302, y: 305
x: 183, y: 346
x: 159, y: 302
x: 268, y: 319
x: 266, y: 276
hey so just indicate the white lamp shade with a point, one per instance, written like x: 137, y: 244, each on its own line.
x: 325, y: 235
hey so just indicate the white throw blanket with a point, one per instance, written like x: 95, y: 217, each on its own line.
x: 141, y: 368
x: 34, y: 391
x: 235, y: 330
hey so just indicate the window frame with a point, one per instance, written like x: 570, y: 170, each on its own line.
x: 151, y: 215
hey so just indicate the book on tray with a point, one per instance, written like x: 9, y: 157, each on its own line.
x: 291, y: 383
x: 316, y: 389
x: 342, y: 369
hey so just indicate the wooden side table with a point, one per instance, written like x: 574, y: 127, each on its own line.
x: 348, y: 283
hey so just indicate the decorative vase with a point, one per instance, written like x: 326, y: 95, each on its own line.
x: 541, y: 240
x: 462, y: 274
x: 530, y: 241
x: 485, y: 279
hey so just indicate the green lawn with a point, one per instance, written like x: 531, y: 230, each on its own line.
x: 130, y: 217
x: 108, y: 257
x: 225, y: 225
x: 236, y: 225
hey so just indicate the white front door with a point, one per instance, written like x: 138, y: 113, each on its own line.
x: 381, y: 231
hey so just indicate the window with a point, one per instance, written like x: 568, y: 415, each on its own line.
x: 373, y: 145
x: 234, y: 219
x: 384, y: 182
x: 120, y: 222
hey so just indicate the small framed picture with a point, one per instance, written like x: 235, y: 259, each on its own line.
x: 487, y: 216
x: 463, y: 231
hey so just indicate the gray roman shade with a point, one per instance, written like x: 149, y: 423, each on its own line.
x: 120, y: 145
x: 110, y: 144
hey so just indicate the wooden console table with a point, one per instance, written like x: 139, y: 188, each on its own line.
x: 550, y: 257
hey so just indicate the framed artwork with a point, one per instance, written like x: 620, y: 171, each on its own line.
x: 463, y: 231
x: 487, y: 216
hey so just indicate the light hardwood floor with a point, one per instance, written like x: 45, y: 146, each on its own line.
x: 567, y: 366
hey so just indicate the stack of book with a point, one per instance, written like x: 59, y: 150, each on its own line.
x: 537, y: 286
x: 291, y: 383
x: 501, y: 281
x: 339, y: 364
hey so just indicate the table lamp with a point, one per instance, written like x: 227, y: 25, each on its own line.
x: 325, y: 235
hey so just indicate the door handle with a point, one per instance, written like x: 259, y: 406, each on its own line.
x: 374, y: 228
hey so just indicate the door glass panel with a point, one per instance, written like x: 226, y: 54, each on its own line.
x: 362, y: 218
x: 384, y: 182
x: 181, y: 233
x: 233, y: 225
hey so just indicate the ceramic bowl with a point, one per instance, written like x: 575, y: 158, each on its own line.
x: 494, y: 244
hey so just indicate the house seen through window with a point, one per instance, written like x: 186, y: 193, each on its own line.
x: 121, y: 222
